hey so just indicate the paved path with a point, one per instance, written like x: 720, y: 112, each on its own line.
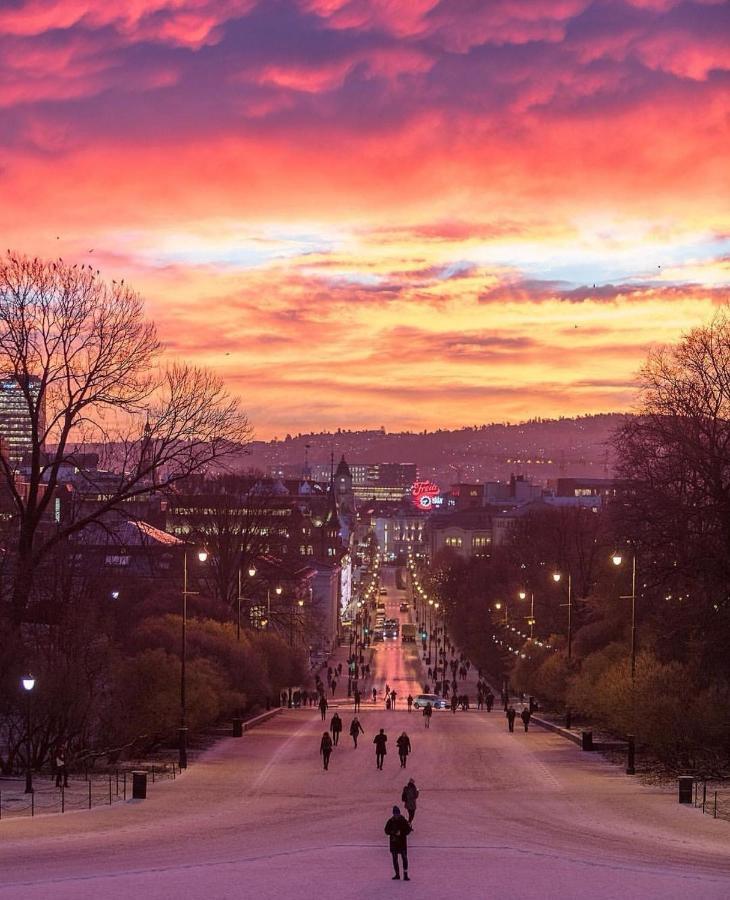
x: 500, y: 815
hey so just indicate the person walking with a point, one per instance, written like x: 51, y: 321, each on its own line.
x: 325, y: 749
x: 323, y: 706
x: 409, y: 797
x: 427, y: 713
x: 525, y: 715
x: 61, y: 770
x: 511, y: 714
x: 333, y: 685
x: 404, y: 748
x: 454, y: 703
x: 398, y: 830
x: 357, y: 697
x: 393, y: 697
x: 490, y: 701
x: 380, y: 740
x: 375, y: 695
x: 356, y: 729
x: 409, y: 701
x: 336, y: 728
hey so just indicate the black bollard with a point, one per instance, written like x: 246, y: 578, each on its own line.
x: 630, y: 755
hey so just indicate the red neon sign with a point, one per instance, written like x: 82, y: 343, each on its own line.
x: 424, y: 494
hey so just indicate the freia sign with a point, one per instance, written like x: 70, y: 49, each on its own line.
x: 426, y: 495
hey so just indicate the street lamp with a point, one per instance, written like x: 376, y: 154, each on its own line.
x: 28, y: 682
x: 556, y: 578
x: 498, y: 605
x: 183, y: 730
x: 531, y: 618
x: 617, y: 560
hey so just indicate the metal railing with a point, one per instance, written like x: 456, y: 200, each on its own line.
x: 94, y: 789
x: 711, y: 801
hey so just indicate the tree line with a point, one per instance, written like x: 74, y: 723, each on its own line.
x: 670, y: 513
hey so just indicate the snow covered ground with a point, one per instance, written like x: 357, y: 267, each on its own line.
x: 499, y: 815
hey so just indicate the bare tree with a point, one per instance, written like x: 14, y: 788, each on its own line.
x: 88, y: 367
x: 676, y: 455
x: 236, y: 518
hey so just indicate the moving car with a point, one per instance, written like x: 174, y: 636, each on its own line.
x: 436, y: 702
x: 404, y: 606
x: 408, y: 632
x: 383, y: 591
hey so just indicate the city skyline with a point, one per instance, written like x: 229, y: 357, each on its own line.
x: 401, y: 214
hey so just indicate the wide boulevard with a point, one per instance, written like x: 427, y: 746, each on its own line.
x: 499, y: 815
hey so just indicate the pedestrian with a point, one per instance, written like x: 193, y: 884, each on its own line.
x: 356, y: 695
x: 409, y: 797
x: 427, y: 713
x: 393, y: 696
x: 490, y: 701
x: 61, y: 770
x: 334, y: 686
x: 454, y: 703
x: 480, y: 700
x: 356, y: 729
x: 387, y: 702
x: 380, y: 740
x: 323, y: 706
x: 398, y: 830
x: 325, y: 749
x: 375, y: 695
x: 525, y: 716
x: 511, y: 717
x: 409, y: 701
x: 404, y: 748
x: 336, y: 728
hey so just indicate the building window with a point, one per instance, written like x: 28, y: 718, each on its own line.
x: 480, y: 541
x: 454, y: 542
x: 116, y: 559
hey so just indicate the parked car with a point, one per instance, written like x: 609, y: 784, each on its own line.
x: 435, y: 701
x: 404, y: 606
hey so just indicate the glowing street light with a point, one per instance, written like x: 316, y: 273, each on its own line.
x: 28, y: 682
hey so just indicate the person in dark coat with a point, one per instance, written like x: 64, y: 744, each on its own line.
x: 525, y: 716
x: 323, y: 706
x: 427, y: 713
x: 325, y: 749
x: 336, y: 728
x: 510, y: 714
x: 357, y: 698
x: 398, y: 830
x: 61, y: 770
x: 490, y: 701
x: 393, y: 697
x: 409, y: 701
x: 454, y: 703
x: 356, y: 729
x: 409, y: 797
x: 404, y: 748
x: 380, y: 740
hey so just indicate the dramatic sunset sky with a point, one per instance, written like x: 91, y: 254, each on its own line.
x: 407, y: 213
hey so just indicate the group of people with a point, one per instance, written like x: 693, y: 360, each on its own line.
x: 398, y: 828
x: 331, y: 738
x: 511, y: 715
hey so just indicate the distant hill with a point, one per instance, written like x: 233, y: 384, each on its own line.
x: 541, y: 448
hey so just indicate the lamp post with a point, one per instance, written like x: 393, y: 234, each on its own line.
x: 183, y: 730
x: 556, y: 578
x: 531, y: 617
x: 498, y: 606
x: 28, y: 682
x: 617, y: 560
